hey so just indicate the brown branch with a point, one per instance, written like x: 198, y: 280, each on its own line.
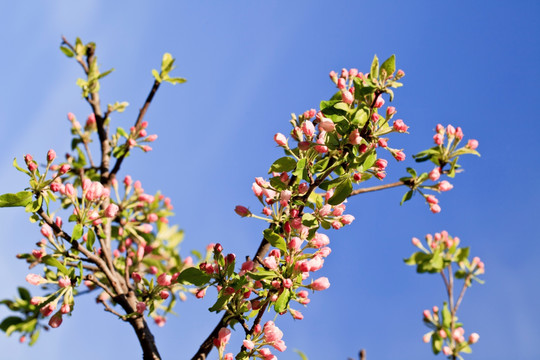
x: 377, y: 188
x: 140, y: 117
x: 79, y: 59
x: 362, y: 354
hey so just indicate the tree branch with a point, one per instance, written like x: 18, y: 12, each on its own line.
x: 377, y: 188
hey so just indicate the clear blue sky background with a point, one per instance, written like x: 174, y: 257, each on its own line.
x: 474, y: 64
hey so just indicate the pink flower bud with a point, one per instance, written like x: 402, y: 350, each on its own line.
x: 223, y: 337
x: 445, y: 186
x: 270, y: 262
x: 354, y: 137
x: 472, y: 144
x: 347, y: 97
x: 248, y: 344
x: 64, y: 169
x: 327, y: 124
x: 399, y: 155
x: 111, y: 211
x: 136, y: 277
x: 381, y: 164
x: 308, y: 128
x: 347, y: 219
x: 56, y: 320
x: 164, y: 279
x: 390, y: 111
x: 303, y: 188
x: 280, y: 139
x: 51, y: 155
x: 432, y: 199
x: 140, y: 307
x: 164, y: 294
x: 46, y: 231
x: 353, y: 72
x: 435, y: 174
x: 400, y: 126
x: 450, y: 131
x: 342, y: 83
x: 473, y: 338
x: 71, y: 117
x: 242, y: 211
x: 379, y: 102
x: 416, y: 242
x: 200, y: 293
x: 435, y: 208
x: 459, y: 133
x: 35, y: 279
x: 382, y: 142
x: 321, y: 283
x: 64, y: 282
x: 65, y: 309
x: 438, y: 139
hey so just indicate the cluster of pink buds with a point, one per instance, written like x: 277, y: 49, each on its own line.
x: 139, y: 134
x: 453, y: 134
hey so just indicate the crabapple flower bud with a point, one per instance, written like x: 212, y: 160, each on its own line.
x: 327, y: 124
x: 71, y: 117
x: 164, y: 294
x: 321, y: 283
x: 64, y: 282
x: 347, y: 97
x: 136, y: 277
x: 432, y: 199
x: 65, y: 309
x: 415, y: 242
x: 303, y: 188
x: 472, y: 144
x: 435, y: 174
x: 445, y: 186
x: 379, y: 102
x: 223, y: 337
x: 400, y: 126
x: 270, y: 262
x: 35, y: 279
x: 347, y: 219
x: 140, y: 307
x: 308, y: 128
x: 64, y: 169
x: 354, y: 137
x: 399, y: 155
x: 228, y: 356
x: 390, y: 111
x: 56, y: 320
x: 51, y: 155
x: 435, y: 209
x: 459, y: 133
x: 342, y: 83
x: 381, y: 164
x: 280, y: 139
x: 242, y: 211
x: 248, y: 344
x: 200, y: 293
x: 152, y: 138
x: 164, y: 279
x: 473, y: 338
x: 438, y: 139
x: 450, y: 131
x: 46, y: 231
x: 111, y: 210
x: 446, y: 351
x: 382, y: 142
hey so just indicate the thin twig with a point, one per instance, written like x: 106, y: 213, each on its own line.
x: 111, y: 310
x: 377, y: 188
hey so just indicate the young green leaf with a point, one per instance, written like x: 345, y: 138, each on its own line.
x: 21, y: 198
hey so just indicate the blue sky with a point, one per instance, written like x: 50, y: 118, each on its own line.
x: 249, y: 65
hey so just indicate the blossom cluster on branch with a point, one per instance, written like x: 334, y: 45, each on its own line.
x: 118, y: 244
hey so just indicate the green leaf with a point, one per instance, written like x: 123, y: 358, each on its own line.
x: 156, y: 75
x: 220, y: 303
x: 34, y: 337
x: 90, y: 239
x: 166, y: 63
x: 412, y: 172
x: 102, y: 75
x: 19, y: 199
x: 275, y: 240
x: 175, y: 81
x: 408, y: 195
x: 10, y: 321
x: 446, y: 316
x: 299, y: 172
x: 370, y: 160
x: 309, y: 220
x: 461, y: 254
x: 341, y: 193
x: 374, y: 68
x: 24, y: 294
x: 416, y: 258
x: 77, y: 232
x: 34, y: 205
x: 436, y: 343
x: 388, y: 66
x: 122, y: 132
x: 51, y: 261
x: 284, y: 164
x: 282, y: 301
x: 20, y: 168
x: 262, y: 274
x: 67, y: 51
x: 194, y: 276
